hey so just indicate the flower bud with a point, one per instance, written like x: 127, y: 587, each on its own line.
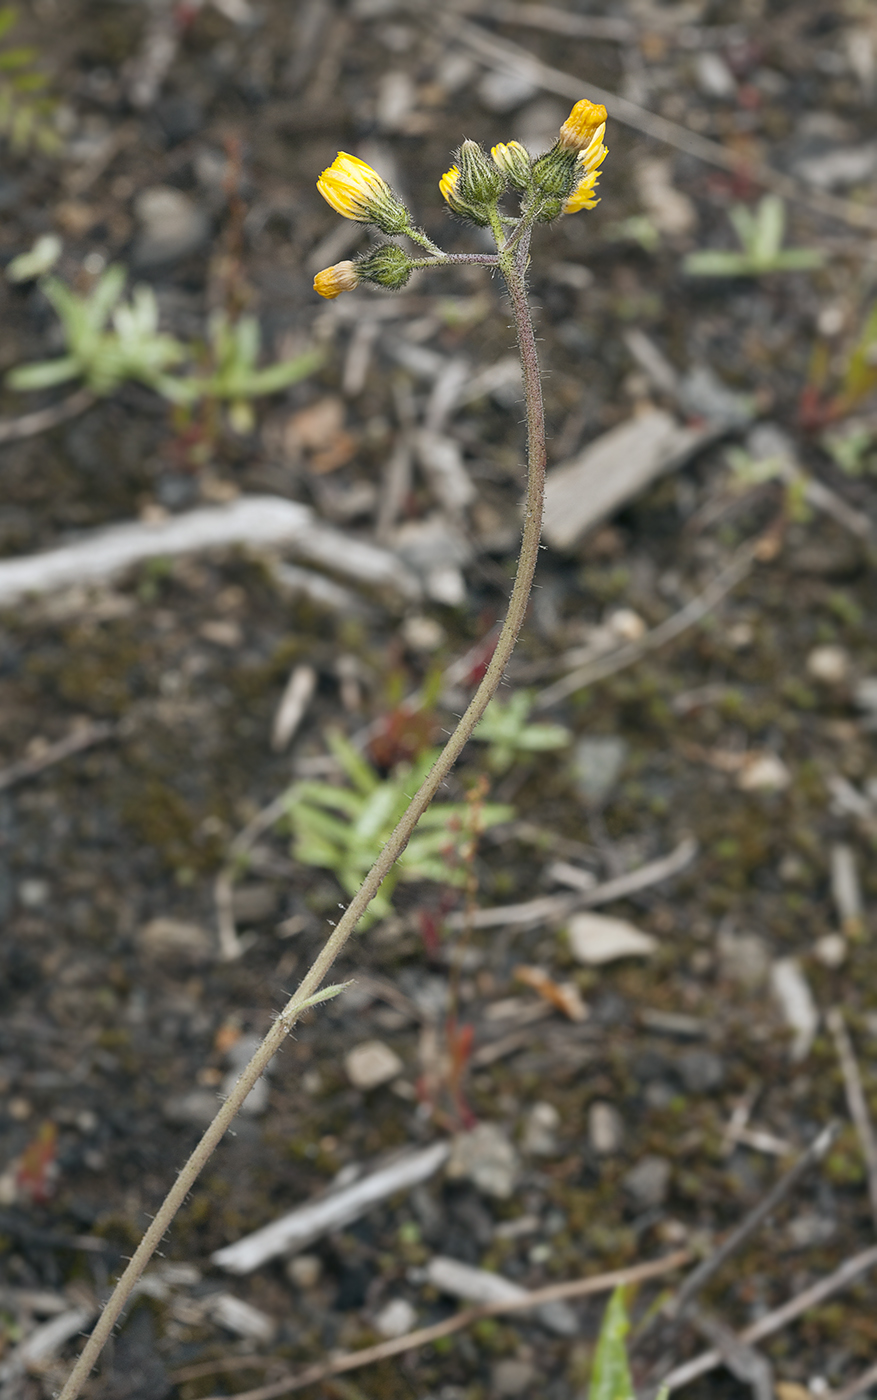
x: 585, y: 119
x: 357, y: 192
x: 332, y: 281
x: 472, y: 186
x: 513, y: 160
x: 387, y: 266
x: 567, y: 174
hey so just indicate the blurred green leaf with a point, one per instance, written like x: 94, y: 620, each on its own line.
x: 610, y: 1379
x: 761, y: 237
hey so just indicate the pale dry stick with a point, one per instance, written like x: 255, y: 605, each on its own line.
x: 752, y: 1222
x: 43, y: 419
x: 554, y: 1292
x: 667, y: 631
x: 511, y: 58
x: 75, y: 742
x: 558, y: 906
x: 513, y: 268
x: 856, y: 1387
x: 773, y: 1321
x: 856, y: 1101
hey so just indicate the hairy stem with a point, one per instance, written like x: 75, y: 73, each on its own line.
x: 512, y: 269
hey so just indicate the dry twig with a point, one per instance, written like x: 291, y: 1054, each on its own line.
x: 83, y: 738
x: 558, y: 906
x: 773, y: 1321
x: 43, y: 419
x: 856, y: 1101
x: 752, y: 1222
x: 577, y: 1288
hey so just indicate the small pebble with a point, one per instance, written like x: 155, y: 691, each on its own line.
x: 597, y: 763
x: 700, y: 1071
x: 649, y: 1181
x: 595, y: 939
x: 744, y: 958
x: 512, y: 1377
x: 371, y: 1064
x: 829, y: 664
x: 865, y: 694
x: 626, y: 625
x: 171, y: 226
x: 422, y: 633
x: 831, y: 950
x: 176, y: 938
x: 540, y: 1129
x: 19, y: 1109
x: 605, y: 1128
x: 304, y: 1270
x: 763, y: 772
x: 396, y: 1318
x: 487, y: 1159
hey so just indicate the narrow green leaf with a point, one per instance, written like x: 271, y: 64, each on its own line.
x: 611, y: 1378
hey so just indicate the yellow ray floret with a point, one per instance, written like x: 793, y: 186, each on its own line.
x: 332, y: 281
x: 353, y: 189
x: 588, y: 161
x: 580, y: 126
x: 449, y: 182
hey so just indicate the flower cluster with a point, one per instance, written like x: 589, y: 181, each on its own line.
x: 560, y: 182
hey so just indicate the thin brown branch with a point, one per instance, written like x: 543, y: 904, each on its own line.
x: 411, y: 1341
x: 856, y: 1101
x: 79, y: 739
x: 31, y: 424
x: 774, y: 1321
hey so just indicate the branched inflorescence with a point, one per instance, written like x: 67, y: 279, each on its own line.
x: 562, y: 181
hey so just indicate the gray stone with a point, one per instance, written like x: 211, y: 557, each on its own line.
x: 605, y: 1128
x: 176, y: 938
x: 487, y: 1159
x: 649, y: 1181
x: 540, y: 1129
x: 371, y: 1064
x: 511, y: 1377
x: 744, y: 958
x: 171, y: 227
x: 195, y: 1109
x: 700, y: 1071
x: 597, y: 763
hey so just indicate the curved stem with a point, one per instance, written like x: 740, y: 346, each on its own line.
x: 389, y: 855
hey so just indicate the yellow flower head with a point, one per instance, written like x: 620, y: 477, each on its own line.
x: 332, y: 281
x: 581, y: 125
x: 513, y: 160
x: 357, y: 192
x: 448, y: 184
x: 588, y: 173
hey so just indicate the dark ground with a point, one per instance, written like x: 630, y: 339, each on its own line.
x: 107, y: 1039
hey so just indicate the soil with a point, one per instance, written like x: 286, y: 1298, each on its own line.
x: 119, y: 1038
